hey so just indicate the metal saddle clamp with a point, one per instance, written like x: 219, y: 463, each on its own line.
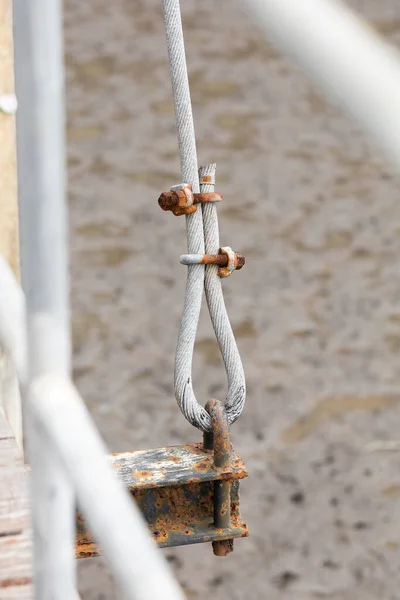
x: 227, y: 260
x: 187, y: 494
x: 181, y: 200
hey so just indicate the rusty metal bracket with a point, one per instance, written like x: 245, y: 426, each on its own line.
x: 222, y: 457
x: 182, y: 201
x: 188, y: 494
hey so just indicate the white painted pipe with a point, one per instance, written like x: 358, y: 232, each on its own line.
x: 41, y: 151
x: 13, y: 356
x: 39, y: 70
x: 13, y: 320
x: 344, y: 56
x: 113, y: 517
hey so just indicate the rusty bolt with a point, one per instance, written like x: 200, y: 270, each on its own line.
x: 222, y: 458
x: 226, y: 259
x: 182, y: 201
x: 179, y: 200
x: 223, y: 547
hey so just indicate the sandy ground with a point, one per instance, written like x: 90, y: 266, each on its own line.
x: 316, y: 310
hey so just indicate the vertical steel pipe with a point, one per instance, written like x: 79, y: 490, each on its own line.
x: 43, y: 226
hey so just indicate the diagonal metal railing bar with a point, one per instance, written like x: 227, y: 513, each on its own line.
x: 65, y: 427
x: 349, y: 61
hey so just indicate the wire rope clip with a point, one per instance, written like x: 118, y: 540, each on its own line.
x: 227, y: 260
x: 187, y: 494
x: 182, y: 201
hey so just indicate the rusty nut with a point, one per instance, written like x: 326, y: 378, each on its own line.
x: 179, y: 200
x: 234, y: 261
x: 182, y: 201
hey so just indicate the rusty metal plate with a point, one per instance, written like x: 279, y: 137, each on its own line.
x: 174, y: 488
x: 173, y: 465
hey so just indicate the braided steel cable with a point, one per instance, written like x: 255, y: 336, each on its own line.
x: 202, y: 235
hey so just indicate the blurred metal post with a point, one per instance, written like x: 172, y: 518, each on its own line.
x: 348, y: 60
x: 43, y: 221
x: 9, y: 391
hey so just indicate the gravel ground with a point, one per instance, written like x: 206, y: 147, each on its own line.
x: 316, y: 310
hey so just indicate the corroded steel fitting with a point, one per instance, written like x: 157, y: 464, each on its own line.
x: 220, y: 440
x: 182, y: 201
x: 187, y: 494
x: 227, y: 260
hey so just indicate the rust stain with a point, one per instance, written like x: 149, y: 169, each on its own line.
x: 220, y: 431
x: 222, y: 260
x: 184, y: 512
x: 203, y: 465
x: 333, y: 407
x: 222, y: 459
x: 141, y: 474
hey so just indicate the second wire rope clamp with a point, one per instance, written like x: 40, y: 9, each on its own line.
x: 227, y: 260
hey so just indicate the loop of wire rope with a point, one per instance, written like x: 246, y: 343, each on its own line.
x: 202, y: 236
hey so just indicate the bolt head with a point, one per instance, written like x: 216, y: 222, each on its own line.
x: 167, y: 201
